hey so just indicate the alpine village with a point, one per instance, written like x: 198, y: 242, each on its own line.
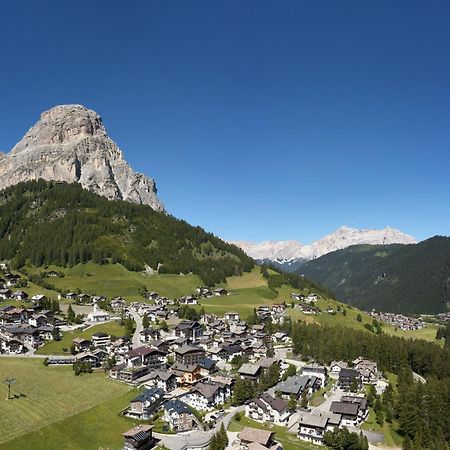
x: 122, y: 327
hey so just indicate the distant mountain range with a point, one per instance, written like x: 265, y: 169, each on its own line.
x: 394, y: 278
x: 291, y: 255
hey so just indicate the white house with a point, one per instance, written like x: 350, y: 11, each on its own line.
x: 316, y: 371
x: 336, y: 366
x: 266, y: 408
x: 312, y: 427
x: 98, y: 315
x: 205, y: 396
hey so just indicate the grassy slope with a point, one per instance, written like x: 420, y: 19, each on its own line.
x: 248, y: 291
x: 113, y: 280
x: 56, y: 347
x: 49, y: 394
x: 99, y: 427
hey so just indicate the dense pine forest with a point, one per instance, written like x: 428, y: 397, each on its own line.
x: 396, y: 278
x: 45, y: 223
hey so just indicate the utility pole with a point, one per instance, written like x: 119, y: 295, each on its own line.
x: 9, y: 382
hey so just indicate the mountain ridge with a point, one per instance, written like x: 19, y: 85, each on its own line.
x: 291, y: 254
x: 70, y: 143
x: 393, y: 278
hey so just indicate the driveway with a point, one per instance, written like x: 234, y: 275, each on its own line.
x: 333, y: 395
x: 196, y: 438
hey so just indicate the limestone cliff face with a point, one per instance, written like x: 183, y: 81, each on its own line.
x: 69, y: 143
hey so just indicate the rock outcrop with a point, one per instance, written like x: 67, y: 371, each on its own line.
x: 69, y: 143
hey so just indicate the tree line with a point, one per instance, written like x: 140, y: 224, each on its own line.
x: 43, y: 223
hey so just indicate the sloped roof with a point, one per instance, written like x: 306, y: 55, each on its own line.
x: 254, y: 435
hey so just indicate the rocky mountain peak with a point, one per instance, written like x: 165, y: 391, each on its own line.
x: 70, y: 143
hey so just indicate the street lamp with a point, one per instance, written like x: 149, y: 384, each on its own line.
x: 9, y: 382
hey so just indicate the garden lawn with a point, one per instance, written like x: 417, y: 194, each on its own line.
x: 57, y: 347
x: 288, y: 440
x: 45, y: 395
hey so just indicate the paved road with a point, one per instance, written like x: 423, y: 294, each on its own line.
x: 418, y: 377
x: 195, y: 438
x: 137, y: 334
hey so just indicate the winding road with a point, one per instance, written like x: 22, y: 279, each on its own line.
x: 137, y: 333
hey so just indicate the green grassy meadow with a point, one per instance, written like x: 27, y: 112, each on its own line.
x: 56, y: 347
x: 46, y: 395
x: 99, y: 427
x: 112, y: 280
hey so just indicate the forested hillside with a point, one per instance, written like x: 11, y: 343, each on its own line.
x: 398, y: 278
x: 45, y: 223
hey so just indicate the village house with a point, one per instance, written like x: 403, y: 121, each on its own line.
x: 12, y: 346
x: 81, y: 344
x: 145, y: 404
x: 188, y: 300
x: 206, y: 395
x: 297, y: 384
x: 249, y: 371
x: 146, y: 356
x: 220, y: 292
x: 188, y: 355
x: 149, y: 335
x: 119, y: 347
x: 101, y: 340
x: 203, y: 291
x: 353, y: 410
x: 266, y: 408
x: 20, y: 296
x: 367, y: 369
x: 118, y: 304
x: 336, y: 366
x: 188, y: 329
x: 37, y: 320
x: 152, y: 295
x: 88, y: 357
x: 11, y: 279
x: 186, y: 375
x: 162, y: 379
x: 280, y: 338
x: 317, y: 371
x: 5, y: 294
x: 255, y: 439
x: 139, y: 438
x: 178, y: 415
x: 231, y: 316
x: 312, y: 427
x: 38, y: 299
x: 348, y: 377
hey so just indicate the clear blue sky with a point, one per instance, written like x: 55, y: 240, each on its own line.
x: 258, y: 120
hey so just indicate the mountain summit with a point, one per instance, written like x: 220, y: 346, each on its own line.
x: 70, y: 143
x: 291, y: 254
